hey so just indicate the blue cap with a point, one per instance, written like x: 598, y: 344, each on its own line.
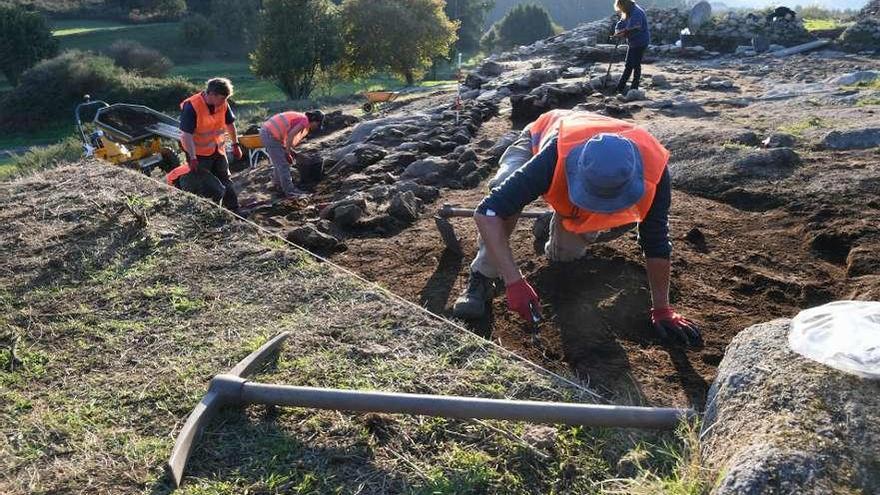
x: 605, y: 174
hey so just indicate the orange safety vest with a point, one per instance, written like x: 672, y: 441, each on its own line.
x: 176, y: 173
x: 573, y: 128
x: 281, y: 124
x: 209, y: 135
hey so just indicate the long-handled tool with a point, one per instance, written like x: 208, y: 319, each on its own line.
x: 233, y: 389
x: 447, y: 231
x: 611, y: 62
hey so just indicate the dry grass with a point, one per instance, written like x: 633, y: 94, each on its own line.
x: 121, y: 298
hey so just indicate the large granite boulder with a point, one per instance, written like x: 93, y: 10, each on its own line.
x: 779, y: 423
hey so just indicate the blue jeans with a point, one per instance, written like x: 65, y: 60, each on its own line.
x: 633, y: 67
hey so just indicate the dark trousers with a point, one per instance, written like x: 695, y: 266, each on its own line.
x: 212, y: 181
x: 633, y: 67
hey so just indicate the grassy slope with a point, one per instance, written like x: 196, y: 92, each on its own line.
x: 118, y: 327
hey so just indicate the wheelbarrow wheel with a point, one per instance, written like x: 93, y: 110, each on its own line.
x: 368, y: 107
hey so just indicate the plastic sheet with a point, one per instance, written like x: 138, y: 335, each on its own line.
x: 844, y: 335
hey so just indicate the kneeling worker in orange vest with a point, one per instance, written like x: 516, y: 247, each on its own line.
x: 602, y: 177
x: 205, y: 120
x: 280, y: 135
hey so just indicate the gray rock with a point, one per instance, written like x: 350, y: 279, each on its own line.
x: 329, y: 211
x: 309, y: 237
x: 424, y: 193
x: 854, y: 78
x: 410, y: 146
x: 779, y: 141
x: 404, y: 206
x: 347, y: 215
x: 468, y: 156
x: 746, y: 138
x: 852, y: 140
x: 659, y: 81
x: 423, y: 168
x: 634, y: 95
x: 502, y: 144
x: 779, y: 423
x: 491, y: 68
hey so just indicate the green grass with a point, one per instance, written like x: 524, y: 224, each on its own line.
x: 798, y: 128
x: 49, y: 135
x: 97, y: 36
x: 822, y: 24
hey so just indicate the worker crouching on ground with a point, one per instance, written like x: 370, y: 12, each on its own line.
x: 280, y: 135
x: 205, y: 120
x: 602, y: 177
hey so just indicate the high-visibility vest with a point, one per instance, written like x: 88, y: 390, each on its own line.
x: 176, y: 173
x: 573, y: 128
x: 279, y: 126
x: 209, y: 135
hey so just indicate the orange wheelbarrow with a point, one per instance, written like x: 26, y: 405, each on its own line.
x: 376, y: 98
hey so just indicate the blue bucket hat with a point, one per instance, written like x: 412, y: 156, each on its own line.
x: 605, y: 174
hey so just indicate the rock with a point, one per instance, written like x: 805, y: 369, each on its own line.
x: 466, y: 168
x: 470, y: 95
x: 537, y: 77
x: 337, y: 120
x: 491, y: 68
x: 779, y: 141
x: 502, y: 144
x: 404, y: 206
x: 474, y: 81
x: 410, y: 146
x: 309, y: 237
x: 634, y: 95
x: 863, y: 260
x: 468, y: 156
x: 863, y: 76
x: 746, y: 138
x: 424, y: 193
x: 777, y: 422
x: 540, y: 436
x: 572, y: 72
x: 329, y: 211
x: 347, y: 215
x: 700, y: 15
x: 659, y: 81
x: 852, y: 140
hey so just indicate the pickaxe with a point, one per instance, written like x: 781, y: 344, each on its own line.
x: 233, y: 389
x: 447, y: 231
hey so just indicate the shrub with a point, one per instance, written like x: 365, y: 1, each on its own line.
x: 139, y: 59
x: 197, y: 30
x: 523, y: 25
x: 49, y: 91
x: 25, y: 39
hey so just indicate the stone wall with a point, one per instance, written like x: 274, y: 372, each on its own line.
x: 863, y: 35
x: 727, y: 31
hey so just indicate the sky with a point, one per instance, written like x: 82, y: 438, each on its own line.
x: 836, y: 4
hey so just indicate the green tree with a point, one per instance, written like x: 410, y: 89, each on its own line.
x: 400, y: 36
x: 25, y: 39
x: 298, y: 38
x: 237, y: 18
x: 523, y: 25
x: 471, y: 16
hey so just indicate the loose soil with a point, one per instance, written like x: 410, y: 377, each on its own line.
x: 761, y: 249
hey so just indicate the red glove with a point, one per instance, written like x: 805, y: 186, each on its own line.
x: 236, y: 151
x: 193, y: 164
x: 289, y: 158
x: 519, y: 295
x: 670, y: 324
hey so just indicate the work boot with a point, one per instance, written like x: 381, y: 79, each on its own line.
x: 473, y: 303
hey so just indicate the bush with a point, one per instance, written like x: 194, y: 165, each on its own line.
x: 49, y: 91
x: 523, y: 25
x: 25, y: 39
x: 139, y: 59
x: 197, y: 30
